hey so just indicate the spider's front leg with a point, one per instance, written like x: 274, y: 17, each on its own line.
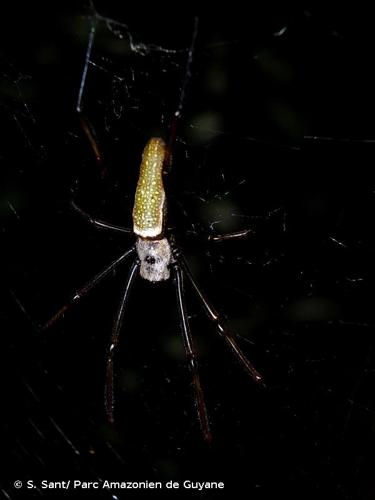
x: 81, y: 292
x: 109, y: 393
x: 215, y: 317
x: 190, y: 354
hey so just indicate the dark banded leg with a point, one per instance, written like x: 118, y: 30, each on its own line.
x: 237, y: 235
x: 85, y: 124
x: 109, y: 393
x: 191, y: 356
x: 90, y: 136
x: 215, y: 317
x: 178, y: 113
x: 87, y: 287
x: 100, y: 224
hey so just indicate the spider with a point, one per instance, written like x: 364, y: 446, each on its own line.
x: 155, y: 256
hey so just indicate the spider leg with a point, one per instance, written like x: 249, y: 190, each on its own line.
x: 86, y: 65
x: 109, y: 398
x: 222, y: 329
x: 178, y: 113
x: 87, y: 287
x: 85, y: 124
x: 190, y: 355
x: 237, y: 235
x: 88, y: 130
x: 100, y: 224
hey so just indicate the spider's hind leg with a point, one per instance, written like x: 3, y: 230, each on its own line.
x: 215, y: 317
x: 97, y: 223
x: 236, y: 235
x: 190, y: 354
x: 85, y: 124
x: 216, y: 237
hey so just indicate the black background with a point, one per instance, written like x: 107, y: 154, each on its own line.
x: 298, y: 292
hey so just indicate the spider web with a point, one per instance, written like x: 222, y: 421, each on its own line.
x: 297, y: 291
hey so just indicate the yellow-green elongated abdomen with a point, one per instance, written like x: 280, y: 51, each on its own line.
x: 148, y: 210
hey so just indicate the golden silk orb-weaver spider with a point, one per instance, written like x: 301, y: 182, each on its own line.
x: 155, y: 255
